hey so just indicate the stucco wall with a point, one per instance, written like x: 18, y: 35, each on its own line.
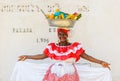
x: 27, y: 31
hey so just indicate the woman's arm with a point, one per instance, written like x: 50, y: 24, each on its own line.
x: 34, y: 57
x: 92, y: 59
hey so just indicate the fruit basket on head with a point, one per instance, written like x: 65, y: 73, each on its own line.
x: 62, y: 19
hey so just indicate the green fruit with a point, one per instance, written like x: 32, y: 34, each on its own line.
x: 79, y: 16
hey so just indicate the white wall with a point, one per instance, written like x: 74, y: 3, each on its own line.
x: 98, y: 30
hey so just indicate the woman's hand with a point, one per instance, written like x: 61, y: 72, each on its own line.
x: 105, y: 64
x: 22, y: 58
x: 34, y: 57
x: 92, y: 59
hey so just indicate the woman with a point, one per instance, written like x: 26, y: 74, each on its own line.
x: 65, y: 54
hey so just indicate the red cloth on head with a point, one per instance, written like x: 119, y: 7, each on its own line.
x: 63, y: 30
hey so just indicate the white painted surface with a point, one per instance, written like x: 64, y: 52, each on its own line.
x: 98, y: 31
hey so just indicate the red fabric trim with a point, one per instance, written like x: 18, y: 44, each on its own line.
x: 64, y: 49
x: 67, y: 77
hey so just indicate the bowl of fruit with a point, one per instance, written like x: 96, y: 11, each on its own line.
x: 62, y: 19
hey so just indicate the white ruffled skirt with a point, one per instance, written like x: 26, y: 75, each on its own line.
x: 26, y: 71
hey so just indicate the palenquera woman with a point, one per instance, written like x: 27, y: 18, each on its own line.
x: 65, y: 55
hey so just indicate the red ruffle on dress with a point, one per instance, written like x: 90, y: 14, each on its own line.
x: 64, y: 52
x: 62, y: 70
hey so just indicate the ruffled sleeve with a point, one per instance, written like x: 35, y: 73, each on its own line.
x: 46, y: 51
x: 79, y: 50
